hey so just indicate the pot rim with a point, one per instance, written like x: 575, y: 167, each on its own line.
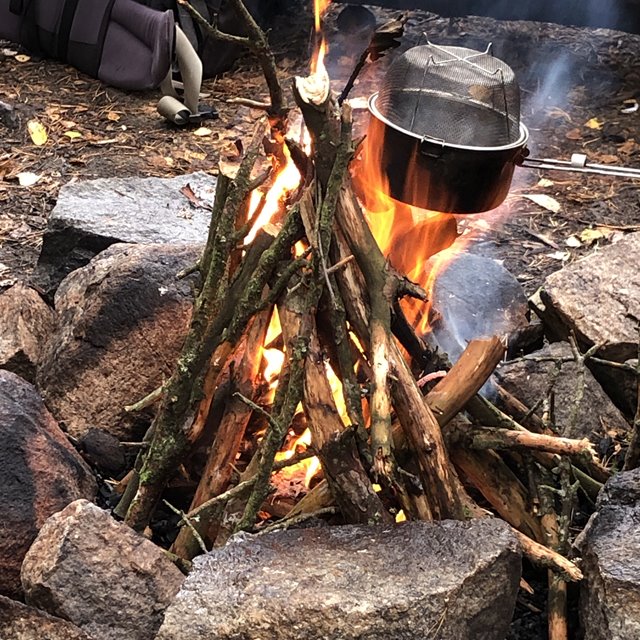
x: 521, y: 142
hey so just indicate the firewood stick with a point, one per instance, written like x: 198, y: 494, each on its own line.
x: 542, y: 556
x: 466, y: 377
x: 492, y: 438
x: 318, y: 498
x: 594, y: 473
x: 219, y: 467
x: 500, y: 487
x: 347, y: 478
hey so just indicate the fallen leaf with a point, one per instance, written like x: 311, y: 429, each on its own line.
x: 27, y: 179
x: 201, y: 132
x: 37, y: 132
x: 589, y: 235
x: 543, y: 200
x: 573, y: 134
x: 72, y: 135
x: 559, y: 255
x: 21, y: 57
x: 573, y: 242
x: 630, y: 146
x: 545, y: 182
x: 608, y: 159
x: 594, y: 123
x: 113, y: 116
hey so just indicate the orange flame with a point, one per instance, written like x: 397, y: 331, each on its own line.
x: 407, y: 235
x: 320, y: 47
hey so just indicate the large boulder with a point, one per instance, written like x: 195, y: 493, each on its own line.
x: 99, y: 574
x: 91, y: 215
x: 392, y: 582
x: 598, y: 298
x: 20, y: 622
x: 578, y: 413
x: 610, y: 547
x: 26, y: 322
x: 40, y: 473
x: 122, y: 320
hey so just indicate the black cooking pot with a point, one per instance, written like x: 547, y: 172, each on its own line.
x: 432, y: 174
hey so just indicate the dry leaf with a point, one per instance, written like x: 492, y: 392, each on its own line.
x: 559, y: 255
x: 608, y: 159
x: 589, y: 235
x: 573, y: 134
x: 72, y: 135
x: 545, y: 182
x: 573, y: 242
x: 630, y: 146
x: 37, y: 132
x: 594, y: 123
x: 21, y: 57
x: 545, y: 201
x: 27, y: 179
x: 113, y: 116
x: 201, y: 132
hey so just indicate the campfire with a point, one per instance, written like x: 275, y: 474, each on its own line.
x: 311, y: 331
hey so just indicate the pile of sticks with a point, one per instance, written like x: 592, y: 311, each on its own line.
x: 432, y: 460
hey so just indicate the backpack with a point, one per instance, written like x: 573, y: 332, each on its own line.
x: 130, y: 44
x: 216, y: 56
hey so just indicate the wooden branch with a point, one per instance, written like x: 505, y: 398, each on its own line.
x: 544, y: 557
x: 500, y: 487
x: 492, y: 438
x: 466, y: 377
x: 347, y: 478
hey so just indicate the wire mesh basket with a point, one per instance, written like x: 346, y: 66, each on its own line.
x: 452, y: 94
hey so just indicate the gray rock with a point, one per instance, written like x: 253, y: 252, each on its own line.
x: 20, y: 622
x: 529, y: 381
x: 91, y: 215
x: 26, y: 322
x: 610, y: 546
x: 40, y: 473
x: 473, y: 297
x: 349, y: 582
x: 99, y: 574
x: 598, y: 297
x: 121, y: 323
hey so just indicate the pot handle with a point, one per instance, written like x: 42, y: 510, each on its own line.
x: 579, y: 164
x: 431, y: 147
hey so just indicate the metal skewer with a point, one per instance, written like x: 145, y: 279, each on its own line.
x: 579, y: 164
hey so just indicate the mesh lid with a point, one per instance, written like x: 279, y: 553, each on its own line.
x: 457, y: 95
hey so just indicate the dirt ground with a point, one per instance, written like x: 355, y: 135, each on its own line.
x: 578, y: 89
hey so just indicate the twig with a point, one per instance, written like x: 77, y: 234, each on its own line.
x: 247, y: 102
x: 288, y: 522
x: 147, y: 401
x: 185, y: 518
x: 493, y: 438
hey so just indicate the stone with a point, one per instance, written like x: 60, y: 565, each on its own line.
x: 99, y: 574
x: 529, y: 379
x: 473, y: 296
x: 103, y: 451
x: 122, y: 320
x: 91, y: 215
x: 598, y: 298
x: 40, y: 473
x: 20, y: 622
x: 348, y: 582
x: 610, y: 547
x: 26, y: 322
